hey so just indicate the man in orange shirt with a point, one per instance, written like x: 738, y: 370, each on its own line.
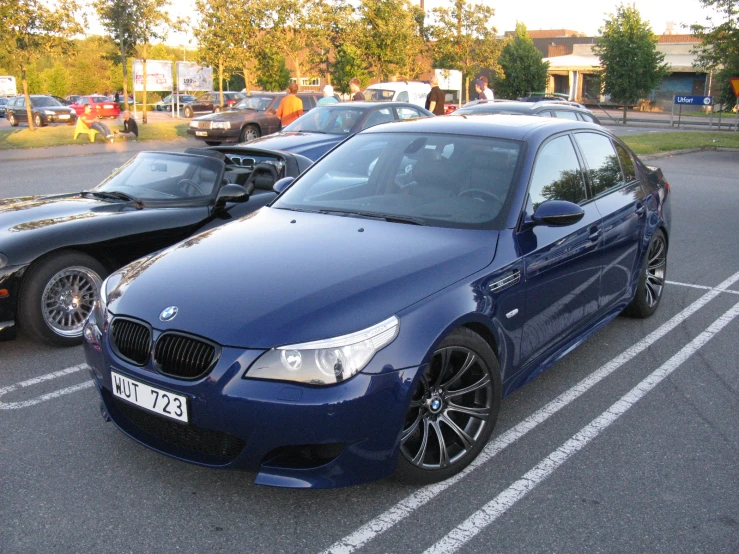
x: 291, y: 107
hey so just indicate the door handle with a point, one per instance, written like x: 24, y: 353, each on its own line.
x: 595, y: 234
x: 640, y: 209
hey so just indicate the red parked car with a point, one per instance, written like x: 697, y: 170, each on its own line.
x: 100, y: 105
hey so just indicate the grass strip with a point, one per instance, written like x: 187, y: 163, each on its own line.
x: 653, y: 143
x: 61, y: 134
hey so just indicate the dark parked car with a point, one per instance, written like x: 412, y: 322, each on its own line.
x: 56, y: 250
x: 251, y: 117
x: 62, y: 101
x: 371, y: 319
x: 210, y: 102
x: 166, y: 103
x: 3, y: 103
x: 546, y: 108
x: 44, y: 110
x: 316, y: 132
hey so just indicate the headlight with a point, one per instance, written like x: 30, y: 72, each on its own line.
x: 3, y: 261
x: 325, y: 362
x: 220, y: 124
x: 49, y: 112
x: 194, y: 123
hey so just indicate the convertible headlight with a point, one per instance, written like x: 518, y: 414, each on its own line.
x: 325, y: 362
x: 220, y: 124
x: 3, y: 261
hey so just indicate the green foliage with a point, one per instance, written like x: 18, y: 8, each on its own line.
x: 632, y: 66
x: 522, y: 65
x: 55, y: 80
x: 465, y: 39
x: 272, y: 71
x: 348, y: 64
x: 719, y: 47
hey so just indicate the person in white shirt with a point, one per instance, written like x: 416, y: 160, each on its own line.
x: 484, y: 93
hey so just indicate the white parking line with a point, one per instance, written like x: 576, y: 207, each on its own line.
x: 41, y: 379
x: 498, y: 506
x: 416, y: 500
x: 702, y: 287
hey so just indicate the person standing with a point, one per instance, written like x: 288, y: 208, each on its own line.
x: 435, y: 98
x: 291, y: 107
x: 130, y: 127
x: 328, y: 96
x: 91, y: 121
x: 484, y: 93
x: 354, y: 87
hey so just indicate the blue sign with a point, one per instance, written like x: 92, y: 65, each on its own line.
x: 694, y: 100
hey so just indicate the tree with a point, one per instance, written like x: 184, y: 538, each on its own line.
x: 56, y: 80
x: 246, y: 37
x: 465, y: 39
x: 271, y: 70
x: 347, y: 65
x: 719, y: 47
x: 522, y: 65
x: 214, y: 37
x: 31, y: 29
x: 631, y: 65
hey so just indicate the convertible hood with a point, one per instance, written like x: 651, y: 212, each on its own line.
x: 280, y: 277
x: 298, y: 142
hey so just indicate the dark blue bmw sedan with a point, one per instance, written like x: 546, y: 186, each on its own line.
x: 370, y: 320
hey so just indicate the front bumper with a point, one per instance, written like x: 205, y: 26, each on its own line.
x: 10, y: 280
x: 59, y: 118
x: 216, y: 135
x: 289, y: 434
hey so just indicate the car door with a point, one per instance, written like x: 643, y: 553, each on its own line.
x: 271, y: 123
x: 562, y: 267
x: 620, y: 198
x: 19, y: 111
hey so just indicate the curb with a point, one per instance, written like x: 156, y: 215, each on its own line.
x: 661, y: 155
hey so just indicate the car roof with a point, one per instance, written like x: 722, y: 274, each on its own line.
x: 514, y: 127
x: 399, y: 85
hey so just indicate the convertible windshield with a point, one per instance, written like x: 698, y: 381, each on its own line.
x: 327, y: 119
x: 161, y: 176
x: 441, y: 180
x: 258, y: 103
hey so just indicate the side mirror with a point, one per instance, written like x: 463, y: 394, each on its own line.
x: 231, y: 193
x: 282, y: 184
x: 557, y: 213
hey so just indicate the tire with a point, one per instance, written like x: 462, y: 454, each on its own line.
x: 13, y: 120
x: 250, y: 132
x: 37, y: 121
x: 187, y: 111
x: 47, y: 308
x: 212, y: 143
x: 217, y: 109
x: 651, y: 279
x: 434, y: 423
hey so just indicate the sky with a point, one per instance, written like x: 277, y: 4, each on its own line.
x: 583, y: 17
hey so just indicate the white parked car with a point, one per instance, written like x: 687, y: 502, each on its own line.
x: 414, y: 92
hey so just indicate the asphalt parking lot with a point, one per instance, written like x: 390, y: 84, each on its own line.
x: 629, y: 444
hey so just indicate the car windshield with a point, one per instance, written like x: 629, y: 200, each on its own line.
x: 501, y: 108
x: 44, y: 102
x: 163, y: 176
x: 258, y: 103
x: 432, y: 179
x: 99, y: 99
x: 378, y: 95
x: 327, y: 119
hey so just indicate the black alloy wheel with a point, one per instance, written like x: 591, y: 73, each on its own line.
x: 651, y: 279
x: 453, y: 409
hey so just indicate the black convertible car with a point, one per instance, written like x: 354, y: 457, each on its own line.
x: 56, y: 250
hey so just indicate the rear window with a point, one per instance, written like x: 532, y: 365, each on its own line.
x: 379, y: 95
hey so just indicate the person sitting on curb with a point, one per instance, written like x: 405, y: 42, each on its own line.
x: 91, y: 122
x: 130, y: 127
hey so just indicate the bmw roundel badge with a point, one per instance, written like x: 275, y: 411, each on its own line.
x: 168, y: 314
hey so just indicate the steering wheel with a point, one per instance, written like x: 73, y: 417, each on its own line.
x: 188, y: 184
x: 480, y: 194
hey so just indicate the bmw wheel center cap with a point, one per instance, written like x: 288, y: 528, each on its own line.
x: 168, y: 314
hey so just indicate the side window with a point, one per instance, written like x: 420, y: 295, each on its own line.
x: 557, y: 174
x: 407, y: 113
x: 603, y: 164
x: 402, y: 97
x: 21, y: 102
x: 545, y: 113
x: 83, y: 101
x: 627, y: 163
x: 563, y: 114
x: 382, y: 115
x: 586, y: 117
x: 308, y: 102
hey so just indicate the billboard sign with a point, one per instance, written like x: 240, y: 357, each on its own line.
x: 158, y: 75
x: 193, y: 76
x: 734, y: 85
x: 449, y: 79
x: 7, y: 86
x: 694, y: 100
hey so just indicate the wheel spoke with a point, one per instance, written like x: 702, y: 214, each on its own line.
x: 445, y: 356
x: 421, y: 454
x: 412, y: 429
x: 467, y: 441
x: 468, y: 363
x: 443, y: 452
x: 479, y: 413
x: 483, y: 382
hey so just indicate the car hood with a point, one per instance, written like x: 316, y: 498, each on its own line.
x: 56, y: 109
x: 298, y: 142
x: 235, y: 115
x: 279, y: 277
x: 31, y: 219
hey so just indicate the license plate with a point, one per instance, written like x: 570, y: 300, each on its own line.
x: 155, y: 400
x: 201, y: 133
x: 64, y: 116
x: 107, y: 106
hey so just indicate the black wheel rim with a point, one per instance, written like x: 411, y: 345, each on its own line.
x: 449, y: 411
x: 656, y: 266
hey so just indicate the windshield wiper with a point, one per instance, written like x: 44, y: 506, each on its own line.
x: 115, y: 195
x: 371, y: 215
